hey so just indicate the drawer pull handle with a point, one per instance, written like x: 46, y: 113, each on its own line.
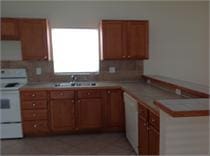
x: 35, y: 126
x: 33, y: 104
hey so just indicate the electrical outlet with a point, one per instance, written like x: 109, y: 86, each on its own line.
x: 38, y: 71
x: 112, y: 70
x: 178, y: 91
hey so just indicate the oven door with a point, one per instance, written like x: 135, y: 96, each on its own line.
x: 10, y: 107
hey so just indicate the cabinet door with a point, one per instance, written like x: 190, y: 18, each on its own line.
x: 153, y: 141
x: 137, y: 39
x: 143, y: 137
x: 115, y: 112
x: 9, y: 29
x: 90, y: 113
x: 113, y: 39
x: 62, y: 115
x: 34, y: 39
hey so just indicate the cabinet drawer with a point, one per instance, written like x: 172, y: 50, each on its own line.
x: 28, y: 115
x: 33, y: 95
x: 154, y: 120
x: 42, y: 104
x: 89, y: 93
x: 35, y: 127
x: 59, y: 94
x: 143, y: 112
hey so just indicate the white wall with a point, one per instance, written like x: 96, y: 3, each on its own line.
x: 178, y: 30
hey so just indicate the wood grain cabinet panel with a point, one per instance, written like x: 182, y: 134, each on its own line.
x: 124, y: 39
x: 35, y: 113
x: 90, y: 113
x: 113, y: 39
x: 115, y: 109
x: 33, y: 95
x: 148, y: 132
x: 62, y: 115
x: 28, y: 115
x: 34, y: 36
x: 153, y: 141
x: 34, y: 104
x: 35, y: 127
x: 9, y: 29
x: 137, y: 39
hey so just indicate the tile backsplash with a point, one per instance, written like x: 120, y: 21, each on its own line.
x: 125, y: 70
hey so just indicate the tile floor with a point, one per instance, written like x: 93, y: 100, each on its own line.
x: 77, y: 144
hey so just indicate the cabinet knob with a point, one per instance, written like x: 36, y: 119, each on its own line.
x: 35, y: 126
x: 148, y: 128
x: 123, y: 56
x: 72, y: 101
x: 33, y: 95
x: 33, y: 104
x: 108, y: 91
x: 153, y: 120
x: 78, y: 101
x: 129, y: 56
x: 145, y: 124
x: 88, y: 93
x: 34, y: 115
x: 45, y: 57
x: 61, y: 94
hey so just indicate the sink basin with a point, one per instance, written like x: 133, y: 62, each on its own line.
x: 75, y: 84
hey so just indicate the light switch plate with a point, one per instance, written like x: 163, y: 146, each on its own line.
x: 112, y: 70
x: 178, y: 91
x: 38, y: 71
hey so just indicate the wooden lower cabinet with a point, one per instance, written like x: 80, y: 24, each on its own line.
x: 148, y: 132
x: 143, y: 137
x: 62, y: 115
x: 115, y: 110
x: 90, y: 113
x: 153, y: 141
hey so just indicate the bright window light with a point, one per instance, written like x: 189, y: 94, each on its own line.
x: 75, y: 50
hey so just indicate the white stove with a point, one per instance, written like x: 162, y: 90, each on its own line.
x: 10, y: 117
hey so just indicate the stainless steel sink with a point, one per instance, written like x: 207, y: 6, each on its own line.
x: 75, y: 84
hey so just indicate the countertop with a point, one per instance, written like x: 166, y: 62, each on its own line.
x: 140, y: 90
x: 185, y: 107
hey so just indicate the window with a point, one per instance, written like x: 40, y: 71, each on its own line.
x: 75, y: 50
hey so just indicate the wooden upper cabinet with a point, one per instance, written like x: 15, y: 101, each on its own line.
x: 137, y: 39
x: 9, y: 29
x: 113, y: 39
x: 124, y: 39
x: 34, y: 36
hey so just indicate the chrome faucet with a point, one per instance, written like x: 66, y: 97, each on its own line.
x: 73, y: 78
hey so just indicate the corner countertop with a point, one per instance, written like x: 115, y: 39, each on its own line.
x: 185, y: 107
x: 140, y: 90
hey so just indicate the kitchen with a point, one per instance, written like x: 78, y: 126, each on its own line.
x: 89, y: 107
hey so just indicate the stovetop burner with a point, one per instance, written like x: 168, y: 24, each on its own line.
x: 11, y: 85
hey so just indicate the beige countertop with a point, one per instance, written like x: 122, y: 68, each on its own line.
x: 185, y: 107
x: 140, y: 90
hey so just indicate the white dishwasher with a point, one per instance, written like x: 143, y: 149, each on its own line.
x: 131, y: 120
